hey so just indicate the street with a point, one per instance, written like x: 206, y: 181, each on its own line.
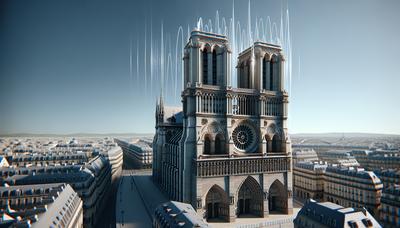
x: 130, y: 209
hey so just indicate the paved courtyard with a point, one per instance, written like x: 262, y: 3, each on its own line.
x: 137, y: 198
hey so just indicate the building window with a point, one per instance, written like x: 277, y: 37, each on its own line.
x: 207, y: 145
x: 219, y: 144
x: 271, y: 74
x: 264, y: 73
x: 205, y: 66
x: 214, y: 67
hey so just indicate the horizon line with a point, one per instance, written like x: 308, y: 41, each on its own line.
x: 21, y: 134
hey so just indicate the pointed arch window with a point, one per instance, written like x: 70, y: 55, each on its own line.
x: 276, y: 143
x: 207, y: 145
x: 214, y: 67
x: 271, y: 74
x: 264, y: 73
x: 205, y: 66
x: 220, y: 144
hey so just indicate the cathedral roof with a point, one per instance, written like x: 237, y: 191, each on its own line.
x: 173, y: 114
x: 174, y: 137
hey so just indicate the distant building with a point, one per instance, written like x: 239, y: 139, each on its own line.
x: 327, y: 214
x: 383, y: 161
x: 389, y: 177
x: 390, y: 212
x: 347, y: 186
x: 378, y: 159
x: 304, y: 155
x: 342, y: 158
x: 44, y: 205
x: 113, y: 153
x: 177, y: 214
x: 308, y: 180
x: 92, y: 182
x: 137, y: 154
x: 353, y: 187
x: 362, y: 157
x: 45, y: 159
x: 93, y: 176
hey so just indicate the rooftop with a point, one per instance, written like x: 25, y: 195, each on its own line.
x: 334, y: 215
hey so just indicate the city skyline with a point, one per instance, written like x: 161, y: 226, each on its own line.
x: 65, y: 67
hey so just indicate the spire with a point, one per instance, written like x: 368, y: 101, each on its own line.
x: 161, y: 102
x: 159, y: 110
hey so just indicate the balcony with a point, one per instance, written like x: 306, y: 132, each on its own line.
x: 213, y: 167
x: 246, y: 102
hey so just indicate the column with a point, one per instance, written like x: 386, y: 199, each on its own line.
x: 195, y: 55
x: 251, y: 76
x: 220, y: 67
x: 200, y: 66
x: 224, y: 78
x: 267, y: 74
x: 186, y: 69
x: 260, y: 66
x: 281, y: 73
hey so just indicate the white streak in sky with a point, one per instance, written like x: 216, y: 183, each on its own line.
x: 137, y: 62
x: 145, y: 58
x: 130, y: 63
x: 164, y: 61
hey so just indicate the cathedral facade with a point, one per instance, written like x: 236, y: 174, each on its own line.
x: 227, y: 150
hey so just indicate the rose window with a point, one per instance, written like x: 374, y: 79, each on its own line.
x: 243, y: 137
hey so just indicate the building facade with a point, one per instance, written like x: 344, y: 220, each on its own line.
x: 342, y: 158
x: 390, y: 210
x: 137, y: 154
x: 227, y: 152
x: 308, y: 180
x: 378, y: 159
x: 353, y: 187
x: 304, y: 155
x: 346, y: 186
x: 92, y: 180
x: 389, y: 177
x: 45, y: 205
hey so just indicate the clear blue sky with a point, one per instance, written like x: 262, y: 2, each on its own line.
x: 65, y: 65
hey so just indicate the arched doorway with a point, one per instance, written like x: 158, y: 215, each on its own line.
x: 277, y: 198
x: 250, y: 198
x: 219, y: 144
x: 217, y: 205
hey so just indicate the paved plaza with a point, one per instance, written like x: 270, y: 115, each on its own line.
x: 137, y: 198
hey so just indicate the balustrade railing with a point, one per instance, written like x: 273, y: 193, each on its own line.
x: 238, y: 103
x: 234, y: 166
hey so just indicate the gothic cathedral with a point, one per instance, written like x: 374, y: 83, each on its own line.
x: 227, y: 151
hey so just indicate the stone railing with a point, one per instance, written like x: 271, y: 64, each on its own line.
x: 239, y: 166
x: 240, y: 102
